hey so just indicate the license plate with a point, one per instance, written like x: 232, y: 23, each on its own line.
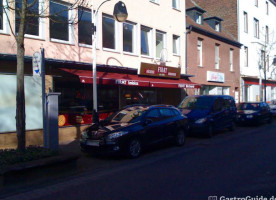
x: 93, y: 143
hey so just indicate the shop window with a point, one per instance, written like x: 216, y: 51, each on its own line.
x: 129, y: 31
x: 109, y: 33
x: 61, y: 28
x: 176, y: 45
x: 33, y: 25
x: 146, y: 41
x: 84, y: 26
x: 160, y: 43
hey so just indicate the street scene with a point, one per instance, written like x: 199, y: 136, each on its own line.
x: 148, y: 99
x: 231, y: 164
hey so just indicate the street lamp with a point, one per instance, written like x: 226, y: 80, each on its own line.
x: 120, y: 15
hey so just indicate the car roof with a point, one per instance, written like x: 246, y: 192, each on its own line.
x: 150, y: 106
x: 257, y: 102
x: 208, y: 95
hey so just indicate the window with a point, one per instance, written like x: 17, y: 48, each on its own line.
x: 129, y: 37
x: 246, y: 56
x: 256, y: 3
x: 217, y: 26
x: 4, y: 25
x: 231, y: 59
x: 217, y: 56
x: 262, y: 58
x: 267, y: 8
x: 198, y: 18
x: 160, y: 43
x: 176, y: 45
x: 245, y: 22
x: 146, y: 38
x: 32, y: 23
x: 266, y: 34
x: 199, y: 52
x: 1, y: 15
x: 109, y: 34
x: 176, y: 4
x: 61, y: 28
x: 153, y: 115
x: 155, y: 1
x: 167, y: 113
x: 85, y: 26
x: 256, y: 28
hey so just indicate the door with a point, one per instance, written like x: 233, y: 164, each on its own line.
x: 153, y: 127
x: 218, y: 114
x: 170, y: 123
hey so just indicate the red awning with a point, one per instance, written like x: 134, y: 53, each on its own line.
x: 108, y: 78
x: 252, y: 82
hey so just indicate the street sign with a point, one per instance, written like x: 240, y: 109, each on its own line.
x: 36, y: 64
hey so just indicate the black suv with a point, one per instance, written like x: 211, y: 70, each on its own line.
x: 133, y: 128
x: 208, y: 113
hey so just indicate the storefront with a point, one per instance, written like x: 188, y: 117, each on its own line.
x: 117, y: 88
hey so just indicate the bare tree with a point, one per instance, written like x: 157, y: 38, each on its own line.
x: 25, y: 11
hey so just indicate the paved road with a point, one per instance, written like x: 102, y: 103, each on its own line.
x: 232, y: 164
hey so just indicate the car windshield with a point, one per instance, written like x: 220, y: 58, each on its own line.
x: 202, y: 103
x: 129, y: 115
x: 249, y: 106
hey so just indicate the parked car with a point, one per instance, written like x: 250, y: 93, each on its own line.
x: 134, y: 128
x: 253, y: 113
x: 209, y: 113
x: 272, y: 106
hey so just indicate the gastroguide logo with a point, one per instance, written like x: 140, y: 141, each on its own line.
x: 241, y: 198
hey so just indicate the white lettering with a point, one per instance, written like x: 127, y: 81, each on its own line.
x: 163, y: 69
x: 172, y: 74
x: 150, y: 71
x: 133, y: 83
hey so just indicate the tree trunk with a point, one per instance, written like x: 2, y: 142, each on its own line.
x: 20, y: 94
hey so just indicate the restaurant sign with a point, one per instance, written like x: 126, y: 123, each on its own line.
x: 215, y: 77
x: 147, y: 69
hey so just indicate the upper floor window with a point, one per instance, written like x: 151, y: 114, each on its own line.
x: 231, y: 59
x: 146, y: 41
x: 176, y: 45
x: 267, y: 7
x: 256, y: 3
x: 245, y: 22
x: 32, y: 26
x: 109, y: 33
x: 61, y: 28
x: 217, y: 26
x: 198, y: 18
x: 129, y: 31
x: 176, y: 4
x: 160, y: 42
x: 256, y: 28
x: 199, y: 52
x: 266, y: 34
x: 4, y: 25
x: 246, y: 56
x: 155, y: 1
x: 84, y: 26
x: 217, y: 56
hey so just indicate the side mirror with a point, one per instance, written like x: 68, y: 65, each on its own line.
x: 147, y: 122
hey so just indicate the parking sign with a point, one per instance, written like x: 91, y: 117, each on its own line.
x: 36, y: 64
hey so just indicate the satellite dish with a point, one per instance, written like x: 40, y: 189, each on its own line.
x: 163, y: 56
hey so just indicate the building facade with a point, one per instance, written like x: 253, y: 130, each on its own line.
x: 141, y: 60
x: 252, y: 23
x: 212, y: 53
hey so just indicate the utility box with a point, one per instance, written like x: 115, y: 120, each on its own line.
x: 52, y: 119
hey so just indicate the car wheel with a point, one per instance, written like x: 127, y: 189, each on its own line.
x: 210, y: 132
x: 233, y: 126
x: 134, y: 148
x: 180, y: 138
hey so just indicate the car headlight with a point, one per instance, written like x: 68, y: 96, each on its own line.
x: 84, y: 134
x: 249, y: 116
x: 200, y: 121
x: 115, y: 135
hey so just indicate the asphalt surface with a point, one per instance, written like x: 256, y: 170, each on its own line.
x: 231, y: 164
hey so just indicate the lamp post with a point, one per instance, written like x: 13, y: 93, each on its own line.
x: 120, y: 15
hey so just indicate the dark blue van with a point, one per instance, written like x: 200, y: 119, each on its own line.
x: 209, y: 113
